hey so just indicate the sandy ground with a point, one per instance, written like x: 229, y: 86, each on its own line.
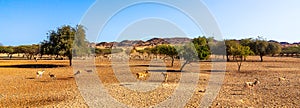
x: 20, y: 87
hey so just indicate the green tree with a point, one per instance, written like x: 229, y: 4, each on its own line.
x: 273, y: 48
x: 154, y: 51
x: 218, y: 48
x: 66, y: 36
x: 169, y: 51
x: 9, y: 50
x: 80, y: 43
x: 202, y: 47
x: 60, y: 42
x: 197, y: 50
x: 291, y: 50
x: 259, y: 47
x: 246, y: 42
x: 240, y: 52
x: 188, y: 53
x: 28, y: 50
x: 231, y: 46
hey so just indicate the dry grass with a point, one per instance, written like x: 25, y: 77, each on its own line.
x: 20, y: 87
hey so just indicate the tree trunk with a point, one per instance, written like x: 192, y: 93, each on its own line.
x: 30, y: 57
x: 172, y: 62
x: 186, y: 62
x: 273, y: 55
x: 239, y: 63
x: 228, y: 58
x: 70, y: 61
x: 261, y: 58
x: 239, y: 66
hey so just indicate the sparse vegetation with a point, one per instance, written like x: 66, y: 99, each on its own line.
x: 69, y: 41
x: 21, y: 91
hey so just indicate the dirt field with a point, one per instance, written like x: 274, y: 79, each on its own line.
x: 20, y: 87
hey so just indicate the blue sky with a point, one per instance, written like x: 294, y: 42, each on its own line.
x: 28, y: 21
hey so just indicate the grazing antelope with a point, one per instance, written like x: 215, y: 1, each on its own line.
x: 142, y: 75
x: 39, y: 73
x: 89, y: 70
x: 281, y: 78
x: 52, y: 76
x: 202, y: 91
x: 251, y: 85
x: 165, y: 76
x: 78, y: 72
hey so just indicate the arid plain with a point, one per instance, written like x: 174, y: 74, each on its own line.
x: 20, y: 87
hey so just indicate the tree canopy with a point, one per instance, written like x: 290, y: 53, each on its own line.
x: 258, y: 46
x: 167, y: 50
x: 66, y: 41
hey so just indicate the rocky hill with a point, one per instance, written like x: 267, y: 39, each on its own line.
x: 151, y: 42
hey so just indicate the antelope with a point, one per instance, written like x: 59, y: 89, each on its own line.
x: 52, y: 76
x: 39, y: 73
x: 165, y: 76
x: 251, y: 85
x: 281, y: 79
x: 142, y: 75
x: 78, y: 72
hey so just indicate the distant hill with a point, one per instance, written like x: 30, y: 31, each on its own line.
x: 178, y: 40
x: 150, y: 42
x: 159, y: 41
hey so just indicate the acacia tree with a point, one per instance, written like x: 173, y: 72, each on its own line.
x: 262, y: 48
x: 273, y: 48
x: 189, y: 53
x: 80, y: 43
x: 197, y: 50
x: 246, y: 42
x: 169, y: 51
x: 8, y: 50
x: 231, y: 45
x: 202, y: 48
x: 290, y: 50
x: 60, y: 42
x: 241, y: 51
x: 154, y: 51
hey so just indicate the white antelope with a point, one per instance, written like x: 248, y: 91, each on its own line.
x: 39, y: 73
x: 251, y: 85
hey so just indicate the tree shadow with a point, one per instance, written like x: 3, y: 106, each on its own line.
x: 213, y: 70
x: 147, y: 66
x: 165, y: 71
x: 30, y: 78
x: 237, y: 90
x: 237, y: 94
x: 33, y: 66
x: 273, y: 66
x: 68, y: 78
x: 44, y: 81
